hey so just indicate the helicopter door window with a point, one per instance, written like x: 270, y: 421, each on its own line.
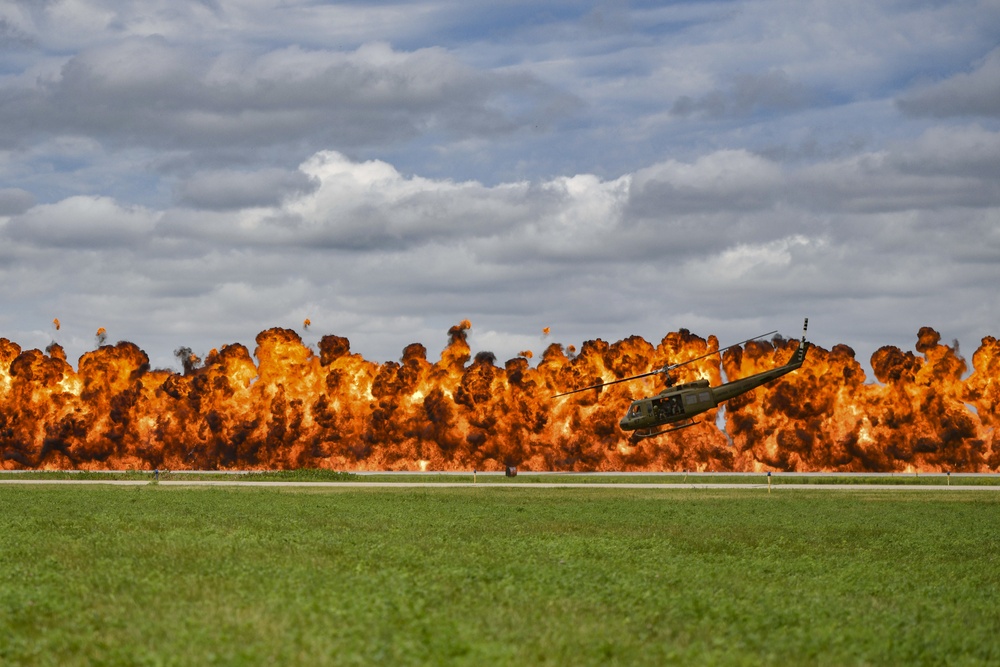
x: 704, y: 397
x: 690, y: 398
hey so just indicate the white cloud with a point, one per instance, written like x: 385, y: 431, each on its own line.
x: 748, y: 261
x: 191, y: 173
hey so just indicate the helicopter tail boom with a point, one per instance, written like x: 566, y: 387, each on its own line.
x: 737, y: 387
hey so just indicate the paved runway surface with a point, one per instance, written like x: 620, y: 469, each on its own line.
x: 513, y: 485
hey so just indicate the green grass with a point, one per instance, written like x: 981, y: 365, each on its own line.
x: 154, y: 575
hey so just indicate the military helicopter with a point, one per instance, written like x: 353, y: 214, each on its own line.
x: 678, y: 405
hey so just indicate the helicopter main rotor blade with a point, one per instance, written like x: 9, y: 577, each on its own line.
x: 664, y: 369
x: 608, y: 384
x: 671, y: 367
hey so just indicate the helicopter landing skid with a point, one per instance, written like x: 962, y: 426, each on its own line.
x: 640, y: 435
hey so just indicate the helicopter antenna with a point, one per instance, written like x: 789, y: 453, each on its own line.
x: 669, y: 367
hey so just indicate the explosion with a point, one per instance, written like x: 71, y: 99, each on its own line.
x: 329, y: 408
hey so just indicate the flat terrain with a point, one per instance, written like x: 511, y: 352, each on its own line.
x: 181, y: 575
x: 307, y: 477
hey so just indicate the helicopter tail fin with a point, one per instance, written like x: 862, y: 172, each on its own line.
x: 800, y: 353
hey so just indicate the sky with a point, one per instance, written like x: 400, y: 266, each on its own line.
x: 188, y: 174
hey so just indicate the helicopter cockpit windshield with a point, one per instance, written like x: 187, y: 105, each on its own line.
x: 635, y: 410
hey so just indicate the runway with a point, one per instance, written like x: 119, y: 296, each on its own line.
x: 505, y: 485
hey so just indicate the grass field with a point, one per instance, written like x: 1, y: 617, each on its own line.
x: 154, y: 575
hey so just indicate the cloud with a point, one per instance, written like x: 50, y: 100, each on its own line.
x: 191, y: 173
x: 82, y: 222
x: 14, y: 201
x: 388, y: 258
x: 152, y: 92
x: 945, y: 167
x: 747, y: 94
x: 12, y: 37
x: 973, y: 93
x: 230, y: 189
x: 720, y: 180
x: 968, y: 152
x: 683, y: 211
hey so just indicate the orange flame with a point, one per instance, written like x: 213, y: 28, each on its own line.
x: 294, y: 407
x: 56, y: 324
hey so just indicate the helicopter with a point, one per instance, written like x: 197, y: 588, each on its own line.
x: 677, y: 406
